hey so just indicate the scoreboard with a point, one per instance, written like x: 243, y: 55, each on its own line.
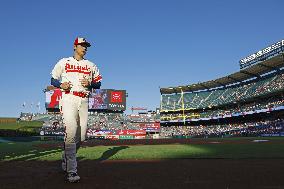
x: 99, y: 99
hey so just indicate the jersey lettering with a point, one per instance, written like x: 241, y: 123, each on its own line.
x: 79, y: 69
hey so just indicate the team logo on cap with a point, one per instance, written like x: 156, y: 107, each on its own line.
x: 80, y: 40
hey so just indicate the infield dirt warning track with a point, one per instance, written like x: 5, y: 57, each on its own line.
x: 147, y: 174
x: 180, y: 173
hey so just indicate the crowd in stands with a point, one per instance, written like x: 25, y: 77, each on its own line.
x: 109, y: 122
x: 106, y: 121
x: 53, y: 124
x: 226, y: 95
x: 267, y: 105
x: 244, y: 129
x: 26, y: 116
x: 143, y: 117
x: 33, y: 116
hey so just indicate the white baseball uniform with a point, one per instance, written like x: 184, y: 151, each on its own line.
x: 74, y: 104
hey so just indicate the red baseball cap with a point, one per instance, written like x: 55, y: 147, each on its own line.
x: 80, y: 40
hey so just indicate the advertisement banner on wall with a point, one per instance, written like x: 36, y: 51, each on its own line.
x: 140, y: 137
x: 98, y: 137
x: 131, y: 132
x: 126, y: 137
x: 102, y: 132
x: 112, y: 137
x: 150, y: 127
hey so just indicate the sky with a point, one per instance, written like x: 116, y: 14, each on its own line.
x: 138, y: 45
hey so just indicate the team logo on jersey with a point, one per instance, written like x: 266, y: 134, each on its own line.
x: 79, y: 69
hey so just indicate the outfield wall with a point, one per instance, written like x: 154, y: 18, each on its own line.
x: 8, y: 120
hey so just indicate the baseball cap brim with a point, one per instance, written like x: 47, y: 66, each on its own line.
x: 85, y: 43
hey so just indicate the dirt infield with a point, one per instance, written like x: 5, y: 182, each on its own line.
x: 172, y: 174
x: 180, y: 173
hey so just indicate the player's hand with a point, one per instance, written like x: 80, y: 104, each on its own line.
x: 84, y: 82
x: 65, y: 86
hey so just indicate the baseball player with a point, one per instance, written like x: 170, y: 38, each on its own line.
x: 75, y: 76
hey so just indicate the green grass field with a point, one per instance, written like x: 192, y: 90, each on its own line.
x: 52, y: 151
x: 21, y: 124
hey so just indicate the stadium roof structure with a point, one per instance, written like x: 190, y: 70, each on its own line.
x: 256, y: 71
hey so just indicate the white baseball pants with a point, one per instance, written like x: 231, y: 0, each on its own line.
x: 75, y: 119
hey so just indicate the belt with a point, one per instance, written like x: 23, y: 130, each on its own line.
x: 80, y: 94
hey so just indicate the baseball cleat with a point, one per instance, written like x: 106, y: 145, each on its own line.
x: 73, y: 177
